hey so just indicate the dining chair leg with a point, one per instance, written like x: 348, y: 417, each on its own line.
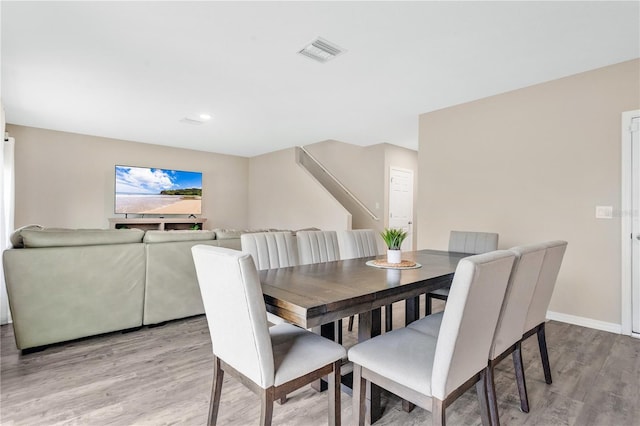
x: 266, y: 406
x: 334, y: 394
x: 518, y: 366
x: 438, y: 417
x: 359, y: 396
x: 542, y: 343
x: 427, y: 305
x: 481, y: 390
x: 216, y: 390
x: 350, y: 326
x: 492, y: 399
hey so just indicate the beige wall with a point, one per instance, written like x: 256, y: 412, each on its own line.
x: 359, y: 169
x: 532, y: 164
x: 365, y: 172
x: 67, y: 180
x: 283, y: 195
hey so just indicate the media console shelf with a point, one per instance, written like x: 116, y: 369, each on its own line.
x: 156, y: 223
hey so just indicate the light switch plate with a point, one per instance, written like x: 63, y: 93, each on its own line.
x: 604, y: 212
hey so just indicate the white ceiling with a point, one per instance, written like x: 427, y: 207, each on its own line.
x: 133, y: 70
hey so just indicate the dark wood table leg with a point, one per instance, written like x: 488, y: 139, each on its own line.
x: 388, y: 317
x: 369, y: 325
x: 411, y: 310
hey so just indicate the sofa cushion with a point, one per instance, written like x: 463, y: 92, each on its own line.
x: 16, y: 236
x: 33, y: 238
x: 226, y: 234
x: 177, y: 235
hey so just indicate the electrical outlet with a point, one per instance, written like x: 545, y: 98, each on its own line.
x: 604, y: 212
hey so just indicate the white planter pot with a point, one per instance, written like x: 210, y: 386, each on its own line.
x: 394, y: 256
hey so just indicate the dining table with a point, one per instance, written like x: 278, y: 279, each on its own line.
x: 319, y: 295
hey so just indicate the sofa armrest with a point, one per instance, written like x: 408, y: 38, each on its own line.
x: 64, y: 293
x: 178, y: 235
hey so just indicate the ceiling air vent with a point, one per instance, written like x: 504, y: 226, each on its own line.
x: 321, y: 50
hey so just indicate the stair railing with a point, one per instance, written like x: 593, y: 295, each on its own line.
x: 301, y: 152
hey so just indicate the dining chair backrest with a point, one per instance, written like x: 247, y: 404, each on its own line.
x: 235, y: 310
x: 473, y: 242
x: 469, y: 320
x: 517, y: 298
x: 271, y: 249
x: 537, y: 312
x: 357, y: 243
x: 317, y: 246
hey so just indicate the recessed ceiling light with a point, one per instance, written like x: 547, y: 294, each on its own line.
x: 205, y: 117
x: 321, y: 50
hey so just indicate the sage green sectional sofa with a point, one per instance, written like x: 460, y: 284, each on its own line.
x: 66, y: 284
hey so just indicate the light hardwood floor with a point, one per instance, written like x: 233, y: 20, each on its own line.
x: 162, y: 376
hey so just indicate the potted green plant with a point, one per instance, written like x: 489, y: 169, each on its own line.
x: 393, y: 238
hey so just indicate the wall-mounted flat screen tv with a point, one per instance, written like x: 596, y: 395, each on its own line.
x: 147, y: 190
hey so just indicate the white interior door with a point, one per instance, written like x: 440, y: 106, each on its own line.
x: 635, y: 233
x: 401, y: 203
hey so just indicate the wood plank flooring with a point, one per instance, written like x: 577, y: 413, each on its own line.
x: 162, y: 376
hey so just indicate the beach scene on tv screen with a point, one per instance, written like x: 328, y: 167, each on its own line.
x: 145, y: 190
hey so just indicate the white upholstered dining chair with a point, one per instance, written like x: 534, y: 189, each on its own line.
x: 464, y: 242
x: 271, y: 250
x: 508, y: 335
x: 433, y: 371
x: 535, y: 269
x: 320, y: 247
x: 356, y: 243
x: 473, y: 242
x: 537, y: 312
x: 270, y: 361
x: 510, y: 326
x: 362, y: 243
x: 317, y: 246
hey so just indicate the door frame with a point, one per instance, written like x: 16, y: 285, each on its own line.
x: 626, y: 219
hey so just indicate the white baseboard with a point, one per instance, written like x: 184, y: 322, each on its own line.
x: 585, y: 322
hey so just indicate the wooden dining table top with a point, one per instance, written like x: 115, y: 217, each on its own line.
x: 316, y: 294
